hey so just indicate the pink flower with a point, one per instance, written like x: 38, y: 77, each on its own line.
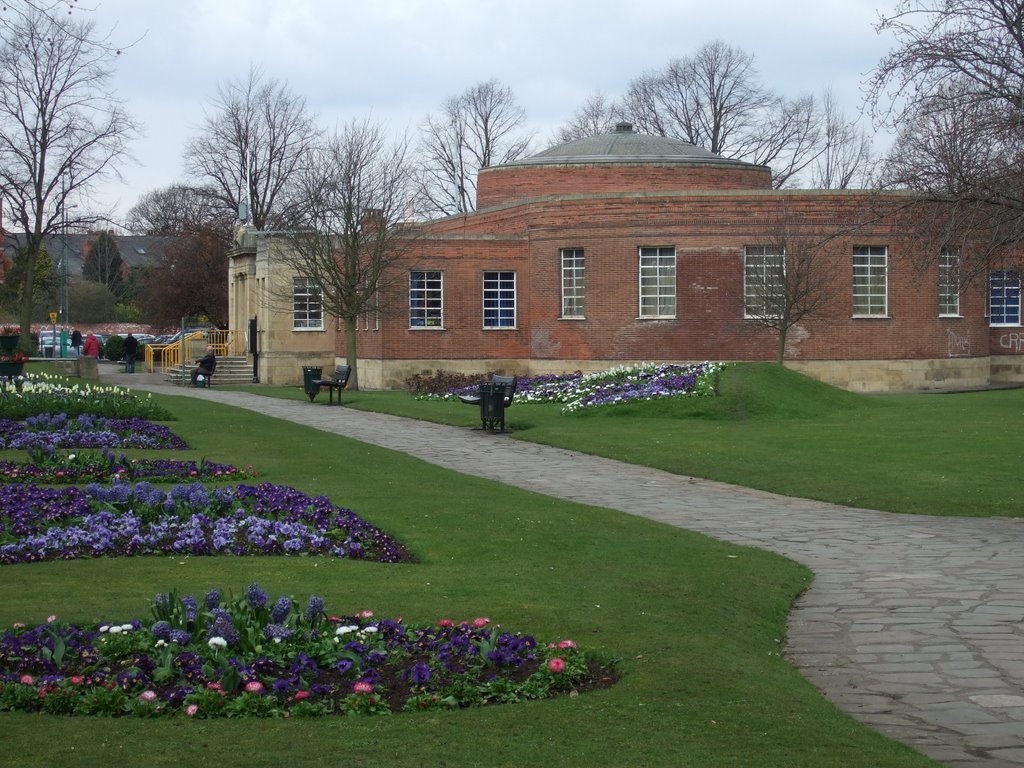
x: 77, y: 679
x: 213, y: 686
x: 567, y: 644
x: 27, y: 680
x: 556, y: 665
x: 480, y: 622
x: 148, y: 695
x: 445, y: 623
x: 300, y: 695
x: 254, y: 686
x: 51, y: 618
x: 191, y: 710
x: 362, y: 687
x: 366, y: 614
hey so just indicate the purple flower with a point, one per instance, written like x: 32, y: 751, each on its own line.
x: 315, y: 609
x: 281, y: 609
x: 256, y: 597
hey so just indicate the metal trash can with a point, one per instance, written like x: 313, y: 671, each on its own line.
x: 310, y: 374
x: 492, y: 405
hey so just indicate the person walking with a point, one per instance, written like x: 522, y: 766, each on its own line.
x: 91, y: 348
x: 76, y: 342
x: 131, y: 349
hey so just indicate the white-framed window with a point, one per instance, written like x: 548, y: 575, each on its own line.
x: 1004, y: 297
x: 307, y: 305
x: 573, y: 285
x: 426, y: 299
x: 949, y: 284
x: 499, y: 299
x: 764, y: 280
x: 658, y: 282
x: 870, y: 281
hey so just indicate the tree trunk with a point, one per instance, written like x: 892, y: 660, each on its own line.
x: 350, y: 352
x: 780, y: 353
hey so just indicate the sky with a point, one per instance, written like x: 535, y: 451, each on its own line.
x: 395, y: 61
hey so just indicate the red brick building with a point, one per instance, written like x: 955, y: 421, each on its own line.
x: 626, y: 248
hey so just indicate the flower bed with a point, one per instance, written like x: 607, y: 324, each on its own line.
x: 249, y: 656
x: 40, y: 393
x: 578, y: 391
x: 124, y: 519
x: 58, y: 430
x: 46, y: 465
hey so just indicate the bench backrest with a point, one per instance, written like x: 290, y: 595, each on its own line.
x: 341, y: 374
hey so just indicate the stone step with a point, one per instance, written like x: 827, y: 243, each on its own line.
x: 230, y: 370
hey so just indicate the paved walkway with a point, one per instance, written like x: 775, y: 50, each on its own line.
x: 914, y: 625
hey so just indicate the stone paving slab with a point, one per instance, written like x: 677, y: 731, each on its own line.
x: 913, y: 624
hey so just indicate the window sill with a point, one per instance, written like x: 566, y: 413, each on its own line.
x: 577, y: 318
x: 657, y: 317
x: 308, y: 330
x: 871, y: 317
x: 426, y: 328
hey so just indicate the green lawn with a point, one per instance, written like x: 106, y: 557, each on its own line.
x: 698, y: 624
x: 776, y: 430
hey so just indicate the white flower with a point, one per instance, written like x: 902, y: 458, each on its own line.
x: 369, y: 630
x: 71, y: 457
x: 104, y: 628
x: 345, y: 630
x: 217, y: 642
x: 161, y: 643
x: 115, y: 630
x: 127, y: 627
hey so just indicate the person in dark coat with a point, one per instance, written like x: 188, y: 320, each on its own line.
x: 131, y: 349
x: 204, y: 366
x: 76, y: 341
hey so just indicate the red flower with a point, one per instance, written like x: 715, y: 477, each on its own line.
x: 557, y: 665
x: 445, y: 623
x: 480, y: 622
x: 300, y: 695
x: 362, y: 687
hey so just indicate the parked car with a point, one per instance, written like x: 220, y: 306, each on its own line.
x: 48, y: 341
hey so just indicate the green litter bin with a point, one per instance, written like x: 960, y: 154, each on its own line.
x: 311, y: 375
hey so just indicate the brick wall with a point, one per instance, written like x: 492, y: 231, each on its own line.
x: 709, y: 231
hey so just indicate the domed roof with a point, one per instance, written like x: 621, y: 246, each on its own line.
x: 624, y: 145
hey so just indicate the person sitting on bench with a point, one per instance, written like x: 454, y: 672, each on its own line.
x: 204, y: 366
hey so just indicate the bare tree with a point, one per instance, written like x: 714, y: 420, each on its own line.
x: 846, y: 159
x: 597, y: 115
x: 190, y: 279
x: 787, y: 280
x: 179, y: 210
x: 481, y: 127
x: 714, y: 99
x: 253, y: 148
x: 954, y: 85
x: 61, y: 130
x: 355, y: 228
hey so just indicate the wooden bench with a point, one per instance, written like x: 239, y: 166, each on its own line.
x: 340, y: 380
x: 492, y: 413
